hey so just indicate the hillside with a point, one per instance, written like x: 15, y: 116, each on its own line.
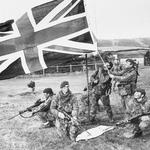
x: 137, y: 42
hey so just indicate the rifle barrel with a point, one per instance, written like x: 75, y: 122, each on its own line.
x: 13, y: 117
x: 133, y: 119
x: 37, y: 103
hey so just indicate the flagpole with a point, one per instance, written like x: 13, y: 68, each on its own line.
x: 103, y: 60
x: 97, y: 31
x: 87, y: 79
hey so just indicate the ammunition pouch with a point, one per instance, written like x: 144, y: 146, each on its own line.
x: 126, y: 88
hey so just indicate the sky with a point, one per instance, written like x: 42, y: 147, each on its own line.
x: 109, y: 19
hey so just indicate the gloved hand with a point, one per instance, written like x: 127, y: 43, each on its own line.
x: 34, y: 112
x: 29, y: 109
x: 61, y: 115
x: 38, y: 101
x: 95, y: 81
x: 21, y: 111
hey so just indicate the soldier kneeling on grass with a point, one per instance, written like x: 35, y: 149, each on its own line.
x: 43, y: 111
x: 137, y: 106
x: 65, y: 105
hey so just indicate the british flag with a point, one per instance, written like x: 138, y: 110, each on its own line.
x: 55, y: 27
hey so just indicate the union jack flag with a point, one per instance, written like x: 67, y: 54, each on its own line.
x: 56, y: 27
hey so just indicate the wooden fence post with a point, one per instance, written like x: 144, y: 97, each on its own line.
x: 57, y: 69
x: 84, y: 67
x: 70, y: 68
x: 95, y: 66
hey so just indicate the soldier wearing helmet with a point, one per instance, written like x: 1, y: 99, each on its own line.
x: 100, y: 92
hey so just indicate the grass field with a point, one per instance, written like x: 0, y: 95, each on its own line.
x: 24, y: 134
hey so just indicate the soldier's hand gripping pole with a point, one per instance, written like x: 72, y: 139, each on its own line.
x: 103, y: 62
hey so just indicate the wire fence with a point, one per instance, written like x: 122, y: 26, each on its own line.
x: 67, y: 68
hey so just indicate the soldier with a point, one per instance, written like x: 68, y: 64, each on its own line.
x: 67, y: 102
x: 127, y: 81
x: 43, y: 111
x: 101, y: 83
x: 137, y: 68
x: 138, y: 105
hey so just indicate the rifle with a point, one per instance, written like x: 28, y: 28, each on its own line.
x: 69, y: 118
x: 132, y: 120
x: 37, y: 103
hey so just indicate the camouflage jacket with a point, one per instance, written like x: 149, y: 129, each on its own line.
x: 127, y: 80
x: 45, y: 107
x: 116, y: 68
x: 135, y: 108
x: 67, y: 102
x: 104, y: 82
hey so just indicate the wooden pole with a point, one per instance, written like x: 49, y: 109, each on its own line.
x: 87, y: 78
x: 57, y: 69
x: 70, y: 68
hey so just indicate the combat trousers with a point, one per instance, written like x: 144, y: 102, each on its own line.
x: 125, y: 92
x: 95, y: 104
x: 66, y: 128
x: 124, y: 101
x: 46, y: 117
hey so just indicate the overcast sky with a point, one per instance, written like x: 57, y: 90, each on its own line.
x: 109, y: 18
